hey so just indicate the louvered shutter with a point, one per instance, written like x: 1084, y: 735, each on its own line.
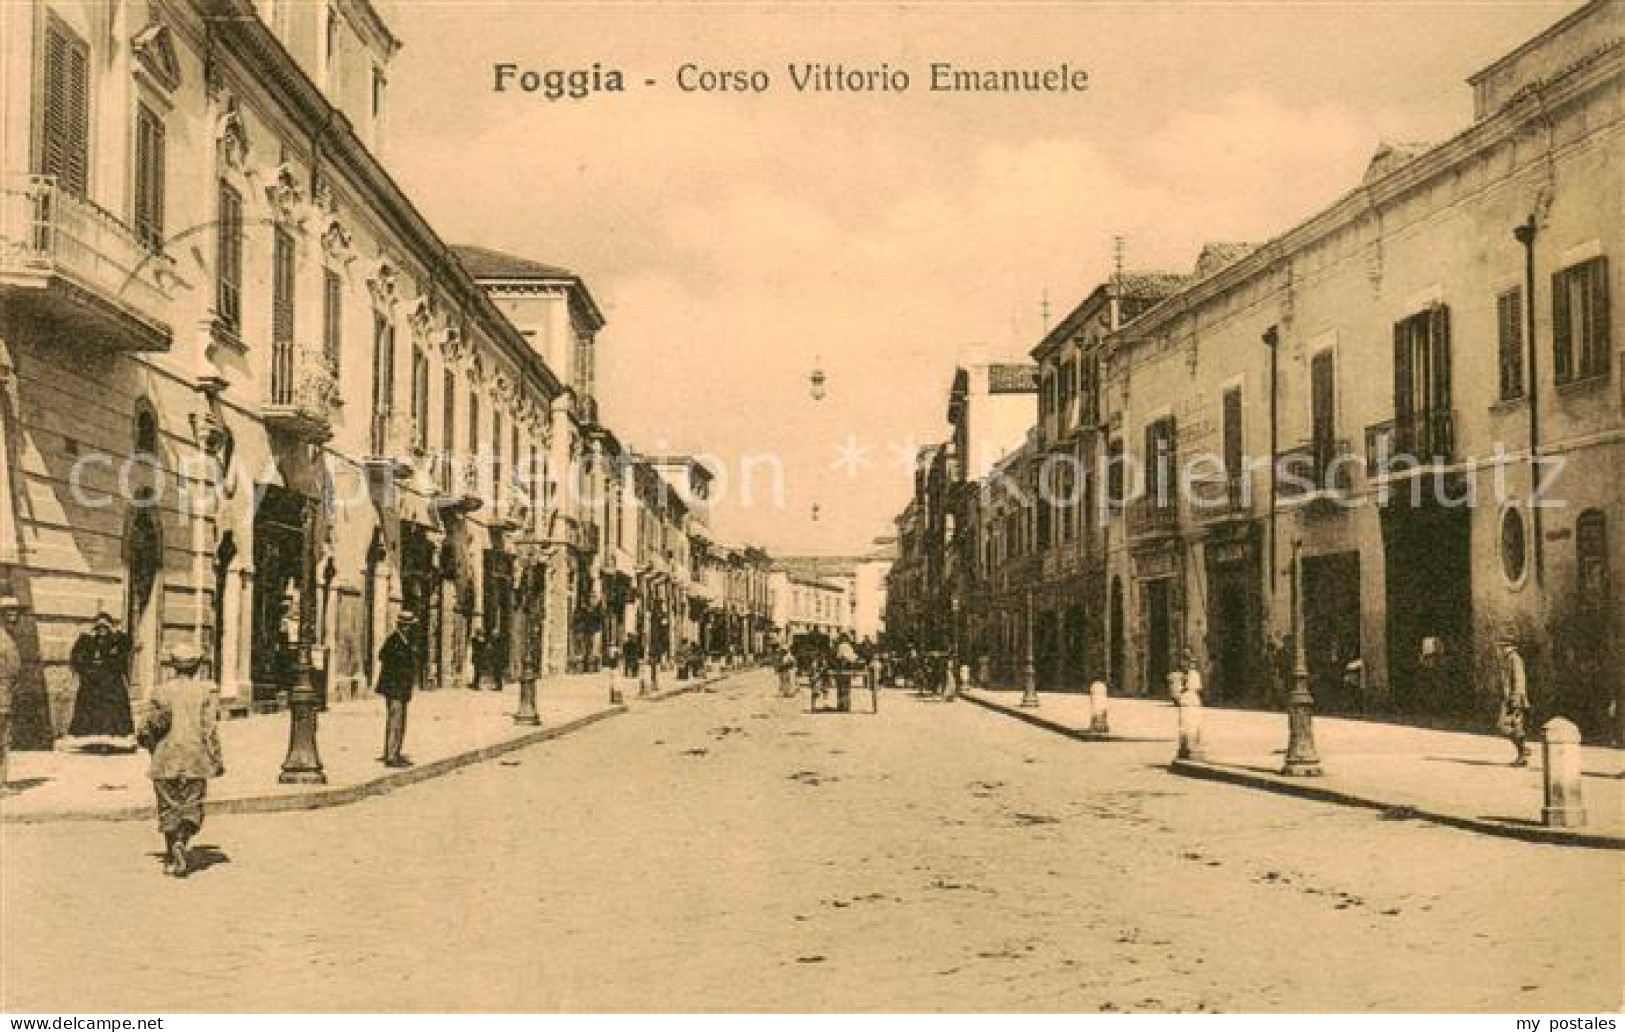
x: 1562, y: 330
x: 65, y: 137
x: 1599, y: 338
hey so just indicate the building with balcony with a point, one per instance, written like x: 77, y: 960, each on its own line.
x: 250, y: 398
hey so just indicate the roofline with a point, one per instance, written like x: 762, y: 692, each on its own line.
x: 1589, y: 72
x: 1535, y: 41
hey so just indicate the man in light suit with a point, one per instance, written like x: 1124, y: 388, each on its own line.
x: 181, y: 729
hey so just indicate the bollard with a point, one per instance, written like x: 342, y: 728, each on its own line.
x: 1099, y: 721
x: 1560, y: 755
x: 1190, y: 727
x: 615, y: 696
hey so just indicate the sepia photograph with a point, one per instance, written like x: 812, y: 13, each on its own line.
x: 656, y: 508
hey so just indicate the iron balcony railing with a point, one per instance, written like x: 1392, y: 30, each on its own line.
x: 1221, y: 499
x: 1307, y: 471
x: 48, y: 232
x: 303, y: 389
x: 1153, y: 516
x: 1426, y: 438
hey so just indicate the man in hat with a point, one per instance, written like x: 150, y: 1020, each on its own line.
x: 397, y: 673
x: 11, y: 672
x: 181, y: 729
x: 101, y: 659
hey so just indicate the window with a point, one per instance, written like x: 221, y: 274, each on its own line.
x: 332, y: 53
x: 1231, y: 417
x: 473, y: 421
x: 65, y: 123
x: 282, y: 284
x: 1580, y: 342
x: 496, y: 455
x: 229, y: 260
x: 383, y: 379
x: 332, y: 318
x: 1591, y: 548
x: 1160, y: 462
x: 1422, y: 394
x: 149, y: 178
x: 448, y: 420
x: 377, y: 93
x: 1322, y: 412
x: 1509, y: 337
x: 1114, y: 473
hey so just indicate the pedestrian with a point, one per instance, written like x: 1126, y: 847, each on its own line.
x: 101, y: 708
x: 632, y: 655
x: 478, y: 654
x: 787, y: 674
x: 181, y: 730
x: 1514, y: 700
x: 11, y: 673
x: 397, y: 670
x: 1192, y: 682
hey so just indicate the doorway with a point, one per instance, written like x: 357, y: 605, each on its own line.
x: 1158, y: 635
x: 1115, y: 647
x: 1331, y: 627
x: 1427, y: 572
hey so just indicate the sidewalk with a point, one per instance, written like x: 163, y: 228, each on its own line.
x: 1445, y: 776
x: 447, y: 729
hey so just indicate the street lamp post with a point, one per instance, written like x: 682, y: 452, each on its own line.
x: 303, y: 763
x: 1029, y: 670
x: 1302, y: 759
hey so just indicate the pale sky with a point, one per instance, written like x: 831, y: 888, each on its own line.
x: 736, y: 241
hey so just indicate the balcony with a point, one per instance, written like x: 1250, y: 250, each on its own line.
x: 1151, y: 517
x: 1426, y: 438
x: 304, y: 389
x: 1222, y: 500
x: 66, y: 261
x: 393, y: 443
x: 1307, y: 476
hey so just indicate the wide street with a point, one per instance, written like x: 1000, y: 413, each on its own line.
x: 729, y: 851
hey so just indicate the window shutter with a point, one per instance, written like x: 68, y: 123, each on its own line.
x: 1321, y: 399
x: 1601, y: 343
x: 1232, y: 432
x: 1402, y: 375
x: 1439, y: 394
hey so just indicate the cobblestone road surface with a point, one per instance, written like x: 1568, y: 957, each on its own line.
x: 728, y: 851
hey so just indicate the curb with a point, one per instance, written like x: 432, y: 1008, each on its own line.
x: 322, y: 798
x: 1040, y: 721
x: 1307, y: 789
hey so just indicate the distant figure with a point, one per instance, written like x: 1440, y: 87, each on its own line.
x: 181, y: 730
x: 1514, y: 700
x: 787, y: 674
x: 101, y: 709
x: 479, y: 647
x: 1430, y: 672
x: 1193, y: 675
x: 397, y: 671
x: 631, y: 655
x: 11, y: 672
